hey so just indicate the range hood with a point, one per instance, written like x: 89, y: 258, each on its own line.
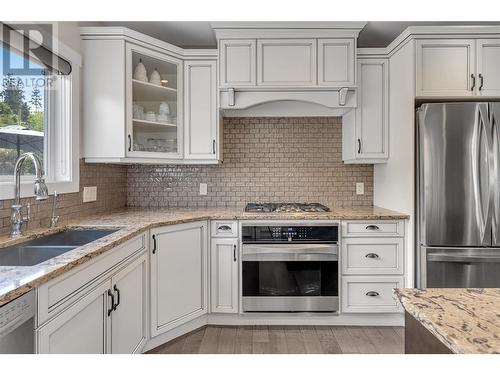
x: 287, y: 102
x: 287, y: 68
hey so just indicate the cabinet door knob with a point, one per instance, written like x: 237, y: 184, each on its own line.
x: 372, y: 294
x: 372, y: 227
x: 372, y: 255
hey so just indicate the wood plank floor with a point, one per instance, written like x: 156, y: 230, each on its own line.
x: 287, y: 340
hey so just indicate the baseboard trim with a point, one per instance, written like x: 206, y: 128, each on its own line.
x: 392, y: 319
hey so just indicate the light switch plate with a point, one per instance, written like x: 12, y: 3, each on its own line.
x: 203, y: 188
x: 360, y: 188
x: 89, y: 194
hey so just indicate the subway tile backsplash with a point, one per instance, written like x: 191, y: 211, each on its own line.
x: 265, y: 159
x: 111, y: 182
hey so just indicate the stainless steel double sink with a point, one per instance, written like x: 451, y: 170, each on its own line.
x: 38, y: 250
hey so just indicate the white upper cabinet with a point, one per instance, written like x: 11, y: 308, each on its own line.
x: 286, y: 62
x: 294, y: 57
x: 237, y: 62
x: 446, y: 67
x: 201, y: 115
x: 488, y: 67
x: 134, y: 100
x: 458, y: 67
x: 336, y: 62
x: 365, y: 130
x: 154, y: 110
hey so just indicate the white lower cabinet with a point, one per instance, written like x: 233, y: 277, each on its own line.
x: 81, y: 329
x: 108, y: 318
x: 372, y: 264
x: 128, y: 319
x: 179, y: 275
x: 370, y: 294
x: 224, y: 275
x: 372, y: 256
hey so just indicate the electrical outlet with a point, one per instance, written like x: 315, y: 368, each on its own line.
x: 360, y: 188
x: 203, y: 188
x: 89, y: 194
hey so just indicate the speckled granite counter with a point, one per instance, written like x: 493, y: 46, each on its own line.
x: 467, y: 321
x: 15, y: 281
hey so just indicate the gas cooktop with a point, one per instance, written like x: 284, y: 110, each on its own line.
x: 286, y: 207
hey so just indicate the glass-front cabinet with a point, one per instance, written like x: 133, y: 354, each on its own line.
x: 146, y: 101
x: 154, y: 104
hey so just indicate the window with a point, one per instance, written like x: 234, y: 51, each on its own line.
x: 23, y: 109
x: 39, y: 108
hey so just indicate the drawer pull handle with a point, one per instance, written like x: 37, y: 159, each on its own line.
x: 224, y: 227
x: 154, y: 244
x: 117, y: 297
x: 372, y: 294
x: 112, y: 302
x: 372, y: 256
x: 372, y: 227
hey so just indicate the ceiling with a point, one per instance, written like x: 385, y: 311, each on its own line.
x: 201, y: 35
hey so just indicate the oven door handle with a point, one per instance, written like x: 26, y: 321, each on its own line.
x: 291, y: 252
x: 463, y: 258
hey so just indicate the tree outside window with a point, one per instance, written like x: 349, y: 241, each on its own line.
x: 22, y: 118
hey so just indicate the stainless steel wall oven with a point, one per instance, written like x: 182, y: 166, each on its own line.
x: 290, y: 268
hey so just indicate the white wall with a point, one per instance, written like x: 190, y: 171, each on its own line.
x: 394, y: 181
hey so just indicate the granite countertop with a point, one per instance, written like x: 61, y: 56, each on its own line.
x: 15, y: 281
x: 467, y: 321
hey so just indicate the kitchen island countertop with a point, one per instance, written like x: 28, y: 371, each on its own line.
x: 466, y: 321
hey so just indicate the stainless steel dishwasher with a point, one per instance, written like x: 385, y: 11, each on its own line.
x: 17, y: 325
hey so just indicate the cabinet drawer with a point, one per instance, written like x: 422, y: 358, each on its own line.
x: 367, y: 294
x: 57, y: 294
x: 224, y: 228
x: 372, y: 256
x: 373, y: 228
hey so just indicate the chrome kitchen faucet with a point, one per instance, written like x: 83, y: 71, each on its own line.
x: 41, y: 193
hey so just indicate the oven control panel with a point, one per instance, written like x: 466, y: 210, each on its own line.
x: 281, y: 233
